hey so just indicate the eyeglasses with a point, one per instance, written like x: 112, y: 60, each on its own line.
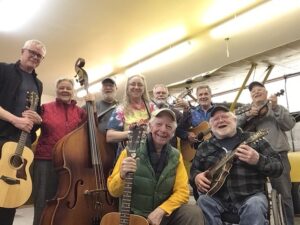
x: 34, y: 53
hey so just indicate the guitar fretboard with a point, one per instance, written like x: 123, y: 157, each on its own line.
x: 21, y: 143
x: 126, y: 200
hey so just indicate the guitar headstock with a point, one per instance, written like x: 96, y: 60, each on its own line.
x: 81, y: 75
x: 137, y: 135
x: 257, y: 136
x: 32, y: 100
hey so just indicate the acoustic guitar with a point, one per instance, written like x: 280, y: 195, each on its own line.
x: 219, y: 172
x: 15, y: 179
x: 202, y: 132
x: 137, y: 135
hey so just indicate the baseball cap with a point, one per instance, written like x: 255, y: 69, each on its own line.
x: 157, y: 112
x: 108, y: 80
x: 218, y: 108
x: 255, y: 83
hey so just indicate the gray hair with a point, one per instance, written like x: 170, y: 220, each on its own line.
x: 153, y: 118
x: 203, y: 87
x: 37, y: 43
x: 160, y: 85
x: 65, y: 79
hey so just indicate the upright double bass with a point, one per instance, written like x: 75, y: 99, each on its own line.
x: 82, y: 160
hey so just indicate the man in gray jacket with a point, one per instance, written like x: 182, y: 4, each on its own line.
x: 265, y: 113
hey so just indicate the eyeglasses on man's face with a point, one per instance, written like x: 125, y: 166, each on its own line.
x: 34, y: 53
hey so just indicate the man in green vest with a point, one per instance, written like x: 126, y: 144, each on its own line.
x: 160, y: 190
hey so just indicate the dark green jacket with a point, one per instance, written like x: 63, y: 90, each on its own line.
x: 148, y: 192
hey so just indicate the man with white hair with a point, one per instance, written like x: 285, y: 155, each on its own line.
x: 160, y: 190
x: 16, y: 80
x: 160, y: 95
x: 243, y: 190
x: 107, y: 104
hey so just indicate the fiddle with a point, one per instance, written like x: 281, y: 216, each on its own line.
x: 262, y: 110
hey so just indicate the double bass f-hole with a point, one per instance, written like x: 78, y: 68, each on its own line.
x: 83, y: 161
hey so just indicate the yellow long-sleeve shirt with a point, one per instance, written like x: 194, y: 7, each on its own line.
x: 180, y: 193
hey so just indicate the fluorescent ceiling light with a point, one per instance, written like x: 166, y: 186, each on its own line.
x: 259, y: 15
x: 152, y: 44
x: 16, y: 13
x: 168, y: 56
x: 220, y: 9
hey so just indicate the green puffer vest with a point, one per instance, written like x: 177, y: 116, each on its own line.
x: 147, y: 192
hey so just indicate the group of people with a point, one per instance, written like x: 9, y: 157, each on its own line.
x: 161, y: 181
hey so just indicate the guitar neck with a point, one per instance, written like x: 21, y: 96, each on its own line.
x: 21, y: 143
x: 126, y: 200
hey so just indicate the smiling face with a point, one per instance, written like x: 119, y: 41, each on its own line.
x: 135, y: 87
x: 160, y: 93
x: 223, y: 124
x: 259, y: 95
x: 162, y: 128
x: 109, y: 91
x: 65, y: 90
x: 204, y: 98
x: 31, y: 57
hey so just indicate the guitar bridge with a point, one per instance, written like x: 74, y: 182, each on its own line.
x: 9, y: 180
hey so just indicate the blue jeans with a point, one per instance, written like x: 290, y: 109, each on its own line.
x: 253, y: 211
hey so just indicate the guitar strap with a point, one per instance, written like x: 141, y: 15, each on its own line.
x: 100, y: 115
x: 147, y: 108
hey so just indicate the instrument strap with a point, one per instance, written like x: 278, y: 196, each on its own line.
x: 107, y: 110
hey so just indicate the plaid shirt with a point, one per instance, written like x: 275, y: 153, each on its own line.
x: 243, y: 180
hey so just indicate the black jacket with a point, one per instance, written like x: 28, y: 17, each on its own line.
x: 10, y: 81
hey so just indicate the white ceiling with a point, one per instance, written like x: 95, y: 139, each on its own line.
x: 103, y: 31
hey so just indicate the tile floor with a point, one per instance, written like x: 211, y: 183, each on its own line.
x: 24, y: 216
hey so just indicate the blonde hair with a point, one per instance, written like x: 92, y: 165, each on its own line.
x: 145, y: 96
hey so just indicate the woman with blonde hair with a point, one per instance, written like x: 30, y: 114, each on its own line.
x: 136, y: 108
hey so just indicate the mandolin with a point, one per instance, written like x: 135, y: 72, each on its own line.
x: 137, y: 135
x: 219, y: 172
x: 15, y: 179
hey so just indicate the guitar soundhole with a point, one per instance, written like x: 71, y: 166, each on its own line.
x: 16, y: 161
